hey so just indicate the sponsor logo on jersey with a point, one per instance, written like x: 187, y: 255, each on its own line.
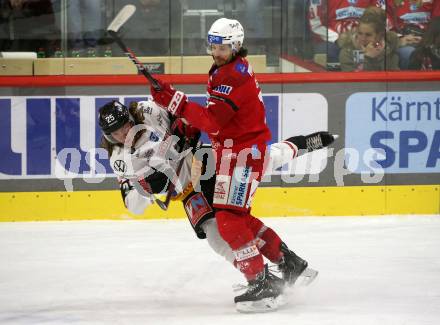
x: 246, y: 253
x: 196, y: 208
x: 240, y: 186
x: 223, y: 89
x: 175, y: 102
x: 147, y: 109
x: 221, y: 189
x: 120, y: 166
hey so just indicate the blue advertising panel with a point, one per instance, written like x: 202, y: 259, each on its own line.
x: 396, y: 131
x: 51, y: 137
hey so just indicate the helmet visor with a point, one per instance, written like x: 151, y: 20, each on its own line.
x: 221, y: 49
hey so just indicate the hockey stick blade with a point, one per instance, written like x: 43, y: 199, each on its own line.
x: 162, y: 204
x: 121, y: 18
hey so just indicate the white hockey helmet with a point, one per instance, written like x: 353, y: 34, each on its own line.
x: 226, y: 31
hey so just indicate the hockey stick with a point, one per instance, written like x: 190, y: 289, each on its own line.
x: 121, y: 18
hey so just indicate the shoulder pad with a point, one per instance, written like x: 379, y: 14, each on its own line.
x: 233, y: 74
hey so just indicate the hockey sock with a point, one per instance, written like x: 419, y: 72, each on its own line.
x: 234, y: 229
x: 271, y: 246
x: 249, y: 261
x: 266, y: 238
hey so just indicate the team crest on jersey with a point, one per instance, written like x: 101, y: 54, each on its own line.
x: 223, y: 89
x: 240, y: 67
x: 353, y: 2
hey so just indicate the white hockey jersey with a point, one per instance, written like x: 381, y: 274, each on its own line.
x: 154, y: 151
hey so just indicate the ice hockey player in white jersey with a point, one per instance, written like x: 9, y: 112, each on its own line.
x: 145, y: 145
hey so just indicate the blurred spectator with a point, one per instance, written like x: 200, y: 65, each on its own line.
x: 427, y: 56
x: 28, y: 25
x: 408, y: 18
x: 369, y: 47
x: 329, y: 18
x: 84, y: 25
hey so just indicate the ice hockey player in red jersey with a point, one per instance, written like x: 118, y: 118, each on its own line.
x: 234, y: 118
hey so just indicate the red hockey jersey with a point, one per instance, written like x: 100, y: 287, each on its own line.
x: 337, y: 16
x: 409, y: 12
x: 234, y: 108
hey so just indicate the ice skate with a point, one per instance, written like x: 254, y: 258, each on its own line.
x: 292, y: 266
x: 319, y: 140
x: 313, y: 141
x: 264, y: 294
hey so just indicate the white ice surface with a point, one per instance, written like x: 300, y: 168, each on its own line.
x: 373, y: 270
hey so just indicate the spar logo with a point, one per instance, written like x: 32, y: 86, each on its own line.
x: 240, y: 186
x: 396, y: 131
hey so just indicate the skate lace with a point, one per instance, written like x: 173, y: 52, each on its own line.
x: 314, y: 142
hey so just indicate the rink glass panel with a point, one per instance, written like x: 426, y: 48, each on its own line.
x: 279, y: 30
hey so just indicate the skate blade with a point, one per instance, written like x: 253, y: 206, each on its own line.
x: 308, y: 276
x: 265, y: 305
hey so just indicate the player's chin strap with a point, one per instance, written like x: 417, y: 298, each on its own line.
x: 110, y: 138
